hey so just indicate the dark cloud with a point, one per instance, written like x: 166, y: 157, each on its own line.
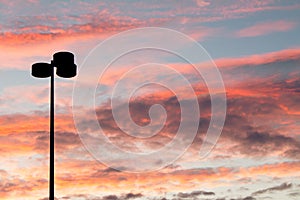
x: 12, y: 184
x: 243, y: 113
x: 294, y: 194
x: 81, y: 196
x: 245, y: 137
x: 240, y: 126
x: 283, y: 186
x: 245, y: 198
x: 63, y: 140
x: 7, y: 187
x: 249, y: 198
x: 139, y: 110
x: 132, y: 196
x: 244, y: 180
x: 109, y: 170
x: 110, y: 197
x: 194, y: 194
x: 127, y: 196
x: 261, y: 143
x: 251, y: 139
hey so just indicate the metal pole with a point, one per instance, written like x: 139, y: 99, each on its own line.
x: 51, y: 174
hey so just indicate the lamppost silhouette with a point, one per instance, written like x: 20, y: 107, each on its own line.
x: 66, y: 68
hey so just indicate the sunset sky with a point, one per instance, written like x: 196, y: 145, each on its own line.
x: 256, y: 47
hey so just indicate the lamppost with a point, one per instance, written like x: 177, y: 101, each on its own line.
x: 66, y: 68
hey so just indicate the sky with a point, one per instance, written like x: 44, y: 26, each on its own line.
x: 254, y: 45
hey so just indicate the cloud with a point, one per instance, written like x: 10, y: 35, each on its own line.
x: 241, y: 130
x: 108, y: 197
x: 47, y: 27
x: 132, y: 195
x: 263, y: 106
x: 86, y: 180
x: 277, y: 94
x: 283, y: 186
x: 240, y: 7
x: 246, y: 137
x: 35, y: 122
x: 63, y: 140
x: 12, y: 184
x: 294, y: 194
x: 272, y: 170
x: 35, y: 34
x: 194, y: 194
x: 252, y: 140
x: 245, y: 198
x: 285, y: 55
x: 251, y: 106
x: 202, y: 3
x: 264, y: 28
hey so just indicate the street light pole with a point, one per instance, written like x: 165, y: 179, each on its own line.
x: 51, y: 163
x: 64, y: 62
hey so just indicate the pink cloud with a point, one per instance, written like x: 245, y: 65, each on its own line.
x: 264, y: 28
x: 260, y: 59
x: 202, y: 3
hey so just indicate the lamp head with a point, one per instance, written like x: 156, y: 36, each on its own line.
x: 41, y: 70
x: 64, y: 62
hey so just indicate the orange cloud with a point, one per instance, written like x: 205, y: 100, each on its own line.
x: 273, y: 170
x: 178, y: 180
x: 89, y: 177
x: 21, y: 123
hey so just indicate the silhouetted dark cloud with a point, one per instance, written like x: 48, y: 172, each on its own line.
x: 194, y: 194
x: 110, y: 197
x: 132, y: 195
x: 294, y: 194
x: 283, y: 186
x: 245, y: 198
